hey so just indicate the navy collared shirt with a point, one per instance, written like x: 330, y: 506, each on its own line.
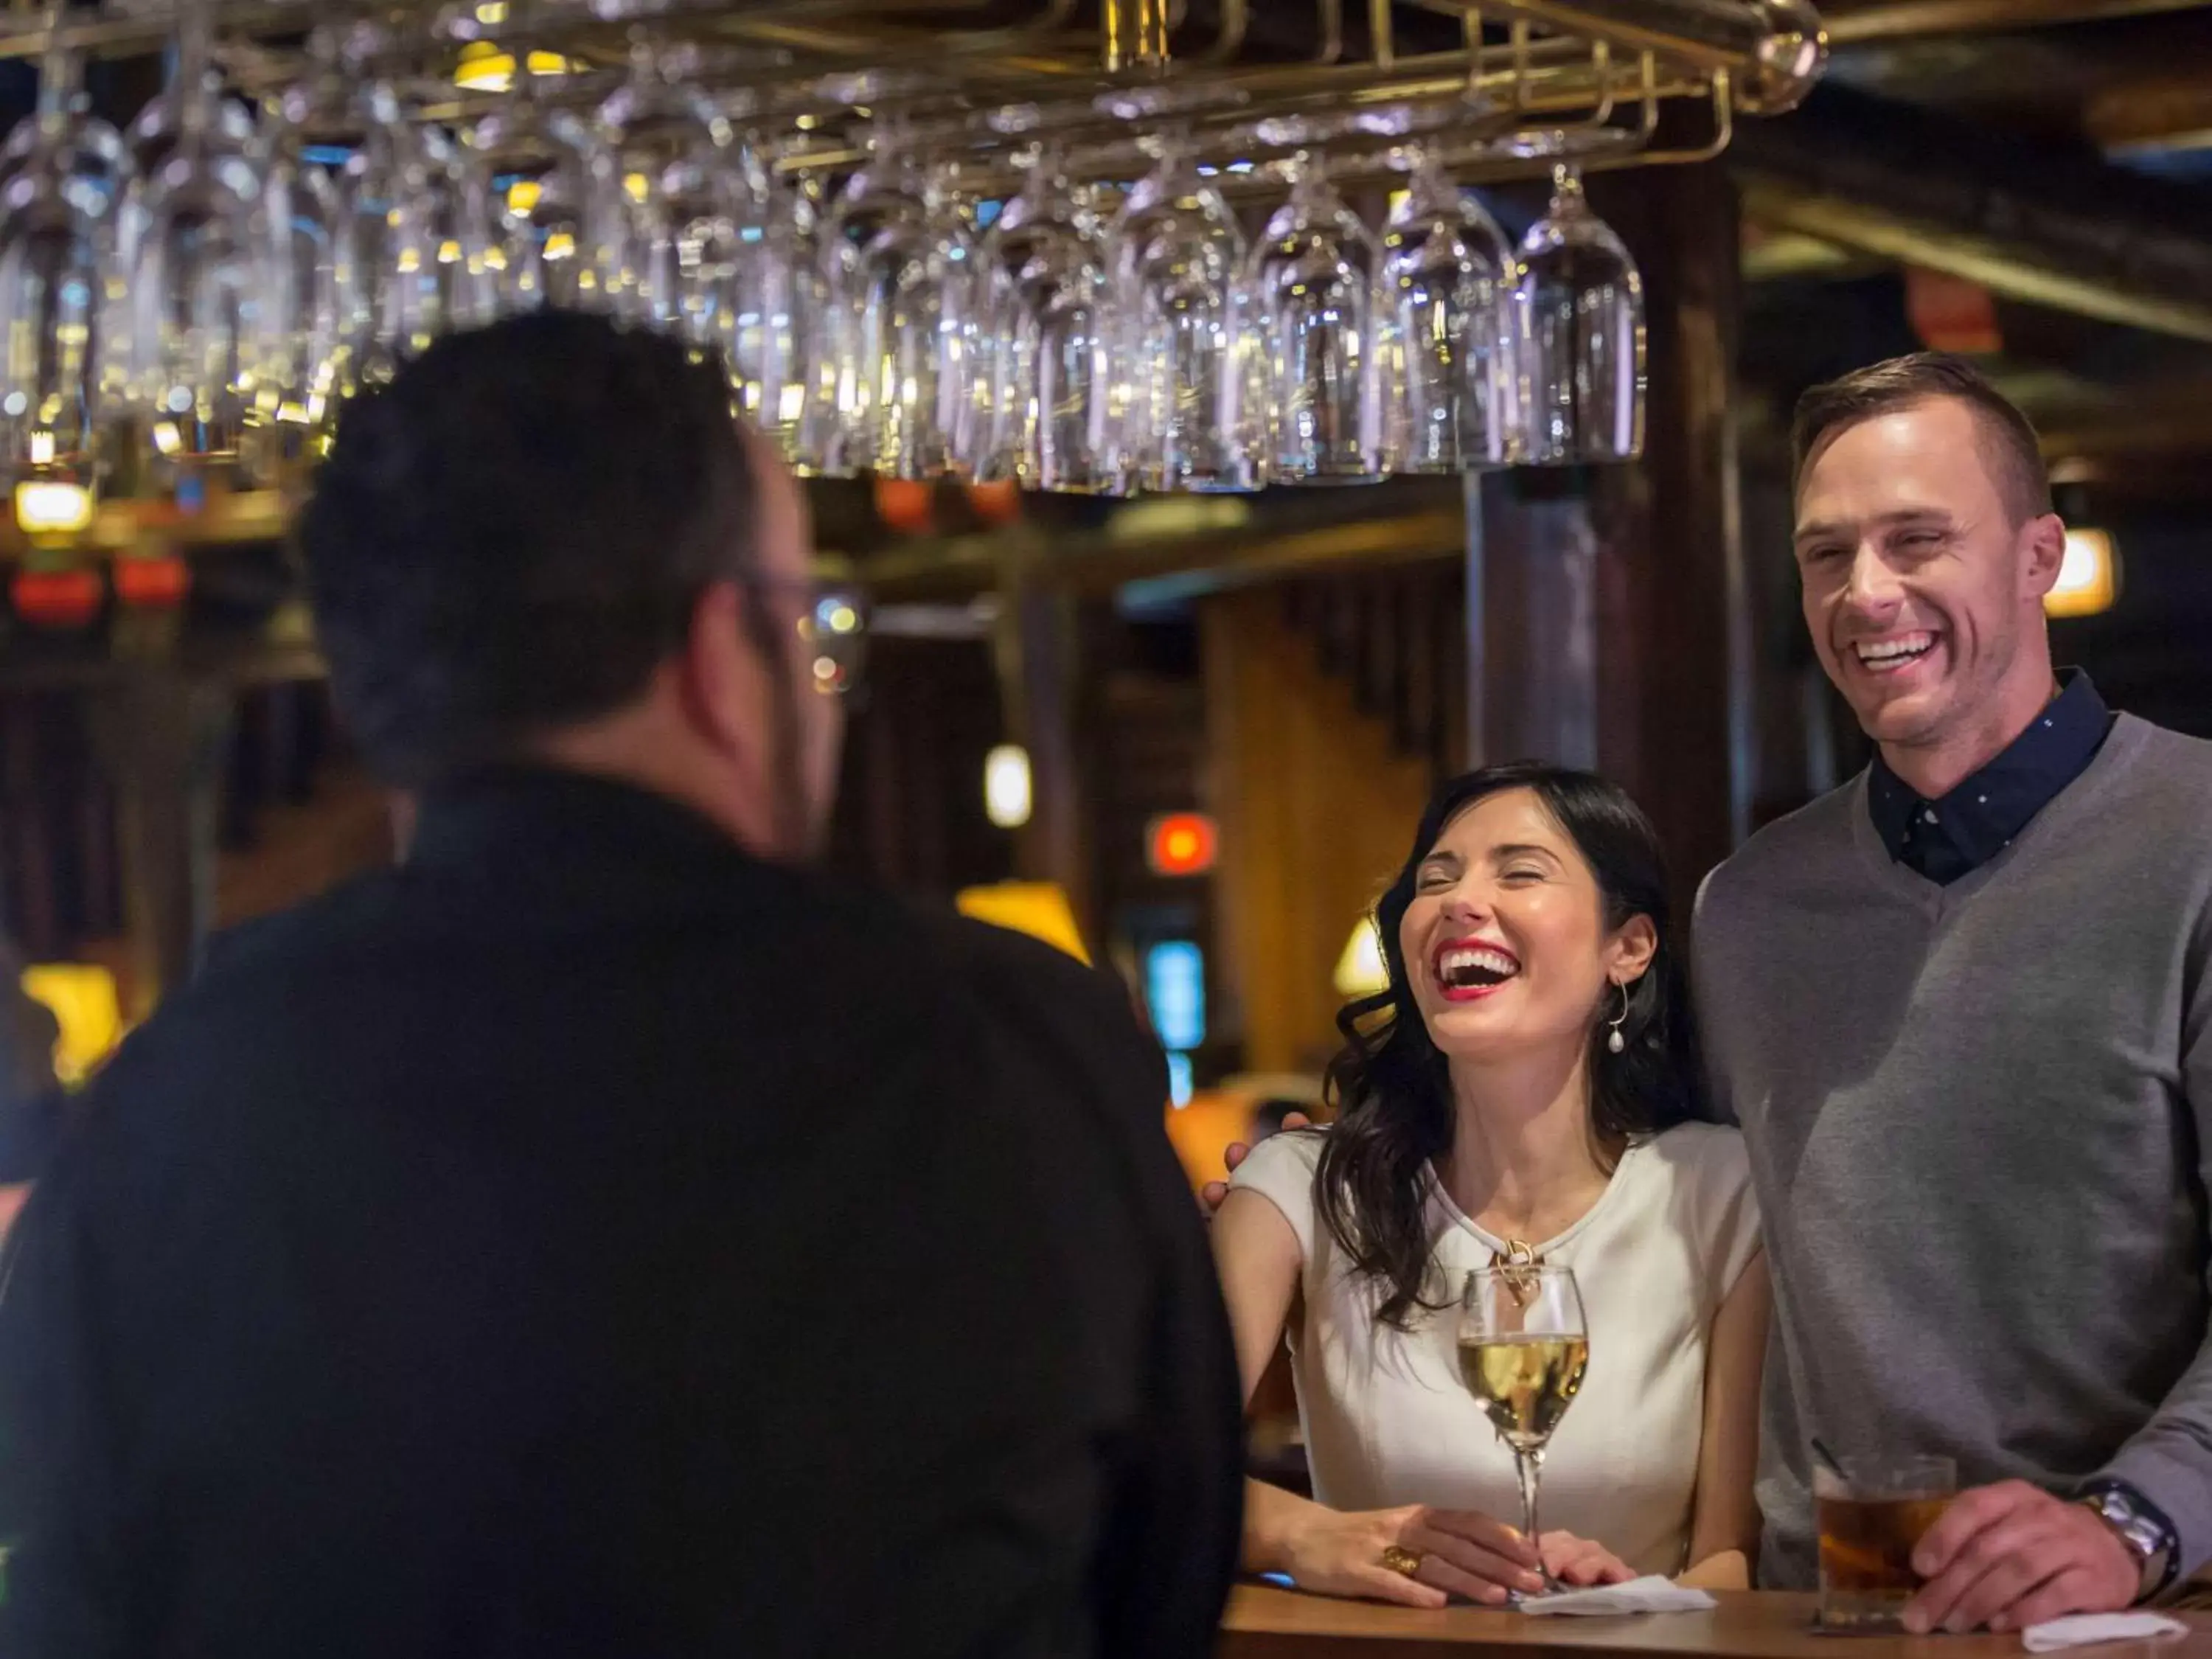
x: 1943, y: 840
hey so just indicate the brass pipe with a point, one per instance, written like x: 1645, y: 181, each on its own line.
x: 1133, y: 35
x: 1381, y: 38
x: 1331, y: 16
x: 1773, y: 50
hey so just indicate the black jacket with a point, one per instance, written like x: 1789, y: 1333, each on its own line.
x: 589, y: 1240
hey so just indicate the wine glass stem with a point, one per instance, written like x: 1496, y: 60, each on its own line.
x: 1530, y: 1466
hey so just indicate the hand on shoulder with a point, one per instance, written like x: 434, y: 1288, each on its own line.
x: 1212, y: 1195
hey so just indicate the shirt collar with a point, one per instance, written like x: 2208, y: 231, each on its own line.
x: 1966, y: 828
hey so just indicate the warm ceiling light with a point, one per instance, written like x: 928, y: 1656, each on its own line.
x: 1360, y: 971
x: 52, y: 507
x: 485, y: 68
x: 2089, y: 575
x: 1006, y: 798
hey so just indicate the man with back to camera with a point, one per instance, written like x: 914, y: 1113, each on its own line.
x: 1962, y: 1008
x: 602, y: 1234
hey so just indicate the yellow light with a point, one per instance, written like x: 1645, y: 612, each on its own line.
x: 1007, y: 799
x: 85, y: 1007
x: 42, y: 449
x: 560, y: 245
x: 1360, y: 971
x: 491, y: 13
x: 483, y: 68
x: 2089, y: 575
x: 1037, y: 908
x: 636, y: 186
x: 790, y: 404
x: 52, y: 507
x: 844, y: 619
x: 523, y: 195
x: 291, y: 414
x: 410, y: 261
x: 167, y: 438
x: 449, y: 250
x: 805, y: 124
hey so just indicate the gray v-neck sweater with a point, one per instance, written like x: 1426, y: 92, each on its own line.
x: 1979, y: 1119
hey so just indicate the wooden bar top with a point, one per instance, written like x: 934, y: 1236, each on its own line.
x: 1266, y: 1623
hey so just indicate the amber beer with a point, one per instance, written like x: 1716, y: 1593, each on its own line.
x: 1871, y: 1515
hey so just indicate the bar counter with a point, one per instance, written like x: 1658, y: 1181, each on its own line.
x: 1266, y: 1623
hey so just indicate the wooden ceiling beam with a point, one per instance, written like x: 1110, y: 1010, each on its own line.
x: 2046, y: 227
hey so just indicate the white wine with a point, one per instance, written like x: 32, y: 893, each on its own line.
x: 1525, y: 1383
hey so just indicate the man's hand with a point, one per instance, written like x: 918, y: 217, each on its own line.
x: 2011, y: 1555
x: 1214, y: 1191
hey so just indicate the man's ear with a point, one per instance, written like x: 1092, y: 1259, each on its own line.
x: 718, y: 674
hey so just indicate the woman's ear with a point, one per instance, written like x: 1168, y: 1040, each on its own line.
x: 1629, y: 953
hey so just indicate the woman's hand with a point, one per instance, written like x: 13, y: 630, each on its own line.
x: 1463, y: 1553
x: 1578, y: 1562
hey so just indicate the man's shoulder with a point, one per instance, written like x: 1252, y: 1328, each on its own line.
x: 1784, y: 849
x: 2168, y: 760
x: 1025, y: 980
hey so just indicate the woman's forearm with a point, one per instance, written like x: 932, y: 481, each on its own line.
x: 1273, y: 1521
x: 1722, y: 1570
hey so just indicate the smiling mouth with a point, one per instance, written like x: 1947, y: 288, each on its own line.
x: 1465, y: 972
x: 1887, y: 656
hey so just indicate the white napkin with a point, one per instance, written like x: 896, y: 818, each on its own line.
x: 1648, y: 1594
x: 2081, y: 1629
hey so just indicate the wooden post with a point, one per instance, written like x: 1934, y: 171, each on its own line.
x: 1608, y: 618
x: 161, y: 738
x: 1037, y: 646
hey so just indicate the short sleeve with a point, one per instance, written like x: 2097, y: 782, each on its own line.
x: 1731, y: 1206
x: 1723, y: 1210
x: 1281, y: 1170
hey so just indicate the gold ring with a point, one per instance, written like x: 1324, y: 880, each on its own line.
x: 1400, y: 1559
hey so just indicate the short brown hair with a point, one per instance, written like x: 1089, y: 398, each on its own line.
x: 2013, y: 450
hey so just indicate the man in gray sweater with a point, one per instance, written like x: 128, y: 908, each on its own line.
x: 1962, y: 1008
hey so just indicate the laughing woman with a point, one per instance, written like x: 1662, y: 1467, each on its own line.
x: 1523, y: 1087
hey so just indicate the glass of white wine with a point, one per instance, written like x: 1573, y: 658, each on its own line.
x: 1522, y: 1350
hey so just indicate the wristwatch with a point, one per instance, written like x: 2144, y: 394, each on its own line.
x: 2140, y: 1525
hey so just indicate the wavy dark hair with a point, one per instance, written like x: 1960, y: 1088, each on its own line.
x: 1389, y: 1085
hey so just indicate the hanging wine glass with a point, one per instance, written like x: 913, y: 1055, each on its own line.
x: 788, y: 351
x: 325, y: 142
x: 555, y: 240
x: 61, y: 178
x: 1044, y: 419
x: 1177, y: 252
x: 1313, y: 282
x: 208, y: 295
x: 1455, y: 328
x: 1581, y: 300
x: 438, y: 272
x: 680, y: 201
x: 898, y: 267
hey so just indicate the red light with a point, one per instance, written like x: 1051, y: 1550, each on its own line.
x: 1181, y: 844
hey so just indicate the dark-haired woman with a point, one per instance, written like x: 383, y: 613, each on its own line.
x: 1486, y: 1112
